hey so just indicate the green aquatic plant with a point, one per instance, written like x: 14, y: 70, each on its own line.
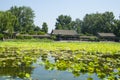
x: 78, y: 58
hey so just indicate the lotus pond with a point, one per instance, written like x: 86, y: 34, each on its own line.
x: 59, y: 61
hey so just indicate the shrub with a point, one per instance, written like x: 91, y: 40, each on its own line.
x: 32, y: 32
x: 53, y: 37
x: 28, y: 37
x: 1, y: 36
x: 87, y: 34
x: 19, y: 37
x: 45, y: 40
x: 94, y: 39
x: 23, y: 37
x: 40, y: 33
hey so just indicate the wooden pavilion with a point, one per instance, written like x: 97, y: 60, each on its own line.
x: 65, y: 34
x: 37, y: 36
x: 107, y: 36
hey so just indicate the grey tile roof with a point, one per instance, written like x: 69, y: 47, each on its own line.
x: 106, y: 34
x: 64, y: 32
x: 46, y: 35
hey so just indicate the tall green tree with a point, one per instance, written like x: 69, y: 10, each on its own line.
x: 25, y: 16
x: 117, y: 27
x: 78, y: 25
x: 37, y: 28
x: 108, y: 18
x: 99, y: 22
x: 7, y: 21
x: 64, y: 22
x: 45, y: 27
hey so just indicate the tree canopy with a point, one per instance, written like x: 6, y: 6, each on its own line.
x: 65, y: 22
x: 25, y: 16
x: 45, y: 27
x: 91, y: 23
x: 21, y: 20
x: 7, y: 21
x: 99, y: 22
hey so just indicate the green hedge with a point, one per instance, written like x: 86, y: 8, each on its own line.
x: 24, y: 37
x: 1, y: 36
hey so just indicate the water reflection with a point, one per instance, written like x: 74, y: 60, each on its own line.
x: 16, y: 63
x: 103, y: 66
x: 15, y: 72
x: 58, y: 65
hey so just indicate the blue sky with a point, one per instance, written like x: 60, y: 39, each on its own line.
x: 49, y: 10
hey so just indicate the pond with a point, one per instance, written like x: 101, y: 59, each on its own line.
x: 45, y: 67
x: 38, y: 64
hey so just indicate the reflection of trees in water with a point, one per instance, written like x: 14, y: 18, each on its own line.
x: 16, y: 68
x: 15, y: 71
x: 17, y: 63
x: 104, y: 66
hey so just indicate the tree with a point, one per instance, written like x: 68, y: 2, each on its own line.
x: 88, y: 22
x: 64, y: 22
x: 78, y: 25
x: 37, y: 28
x: 108, y: 18
x: 44, y: 27
x: 117, y: 27
x: 99, y: 22
x: 25, y: 16
x: 7, y: 21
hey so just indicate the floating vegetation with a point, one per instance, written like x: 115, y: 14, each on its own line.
x: 100, y: 58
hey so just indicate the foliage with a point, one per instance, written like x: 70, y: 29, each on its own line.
x: 53, y: 37
x: 1, y: 36
x: 25, y: 16
x: 7, y: 21
x: 40, y: 33
x: 101, y: 58
x: 91, y: 23
x: 19, y: 37
x: 78, y: 25
x: 37, y: 28
x: 23, y: 37
x: 32, y: 33
x: 64, y: 22
x: 16, y: 62
x: 21, y: 19
x: 99, y: 22
x: 28, y: 37
x: 117, y: 27
x: 45, y: 27
x: 18, y: 19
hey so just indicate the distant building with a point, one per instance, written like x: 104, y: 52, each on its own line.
x: 37, y: 36
x: 9, y: 35
x: 88, y: 38
x: 107, y: 36
x: 65, y: 34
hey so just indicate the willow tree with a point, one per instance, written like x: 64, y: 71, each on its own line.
x: 7, y: 22
x: 25, y: 16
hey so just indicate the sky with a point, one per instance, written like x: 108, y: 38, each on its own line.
x: 48, y: 10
